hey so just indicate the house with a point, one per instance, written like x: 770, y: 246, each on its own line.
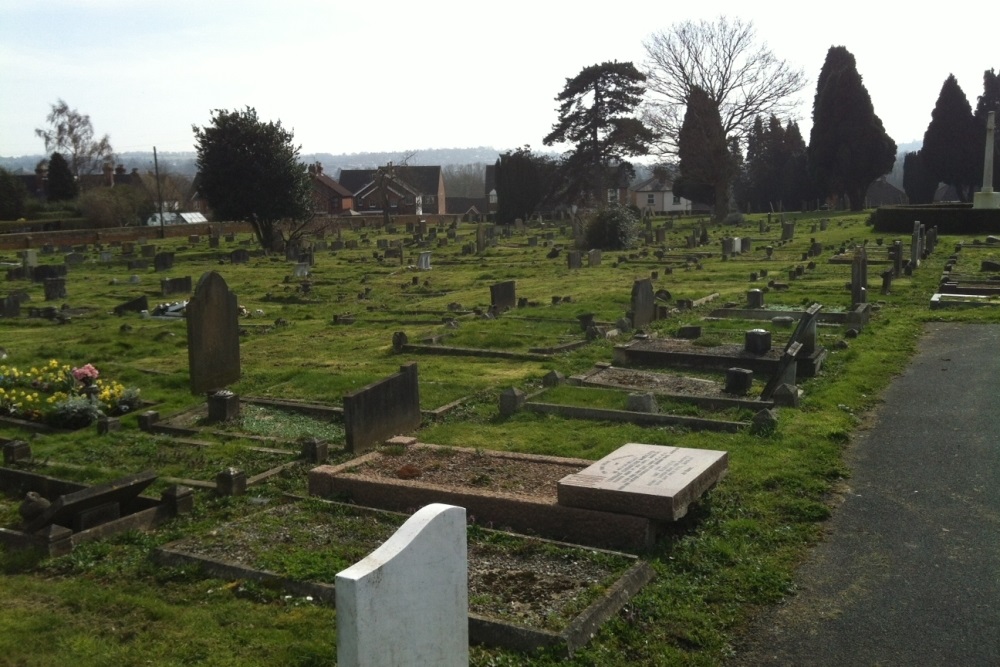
x: 329, y: 196
x: 884, y: 193
x: 467, y: 207
x: 657, y: 195
x: 411, y: 190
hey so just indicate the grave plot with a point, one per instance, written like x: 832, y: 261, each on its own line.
x: 526, y: 339
x: 644, y: 408
x: 705, y: 393
x: 524, y: 593
x: 53, y: 516
x: 755, y: 354
x: 500, y: 489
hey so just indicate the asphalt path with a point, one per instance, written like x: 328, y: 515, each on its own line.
x: 909, y: 573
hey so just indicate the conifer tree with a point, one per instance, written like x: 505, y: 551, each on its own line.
x: 950, y: 153
x: 706, y: 167
x: 62, y: 185
x: 848, y: 146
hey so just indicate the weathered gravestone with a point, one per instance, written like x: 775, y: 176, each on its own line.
x: 573, y: 259
x: 55, y: 289
x: 859, y: 276
x: 213, y: 335
x: 643, y: 303
x: 148, y: 251
x: 385, y: 408
x: 651, y: 481
x: 10, y: 307
x: 169, y: 286
x: 504, y: 295
x: 424, y: 261
x: 594, y: 258
x: 406, y: 604
x: 239, y: 256
x: 136, y: 305
x: 74, y: 259
x: 163, y: 261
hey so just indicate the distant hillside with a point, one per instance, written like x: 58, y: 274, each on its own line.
x: 184, y: 163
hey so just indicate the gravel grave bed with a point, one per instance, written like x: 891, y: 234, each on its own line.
x: 454, y: 467
x: 519, y: 579
x: 659, y: 382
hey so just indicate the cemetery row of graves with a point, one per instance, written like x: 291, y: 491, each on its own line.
x: 643, y: 442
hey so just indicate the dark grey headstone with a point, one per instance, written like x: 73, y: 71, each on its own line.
x: 213, y: 335
x: 55, y: 289
x: 504, y: 295
x: 643, y: 303
x: 163, y: 261
x: 136, y: 305
x: 239, y: 256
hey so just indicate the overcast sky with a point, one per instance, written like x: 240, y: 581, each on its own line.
x: 401, y: 75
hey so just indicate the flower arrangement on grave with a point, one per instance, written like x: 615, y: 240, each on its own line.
x: 63, y: 396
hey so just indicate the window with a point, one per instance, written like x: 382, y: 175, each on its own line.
x: 650, y: 199
x: 677, y: 200
x: 493, y: 196
x: 612, y: 196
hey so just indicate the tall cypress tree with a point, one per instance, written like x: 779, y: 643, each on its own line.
x: 918, y: 183
x: 950, y: 153
x: 848, y: 145
x: 62, y: 185
x: 706, y: 167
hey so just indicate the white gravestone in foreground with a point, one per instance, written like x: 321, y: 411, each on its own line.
x: 406, y: 603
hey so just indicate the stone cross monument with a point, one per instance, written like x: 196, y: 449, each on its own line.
x: 986, y: 198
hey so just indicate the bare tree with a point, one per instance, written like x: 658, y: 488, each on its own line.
x: 72, y: 133
x: 743, y: 78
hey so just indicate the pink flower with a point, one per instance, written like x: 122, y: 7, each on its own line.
x: 87, y: 372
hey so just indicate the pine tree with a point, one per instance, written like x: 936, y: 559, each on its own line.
x: 950, y: 153
x: 523, y: 180
x: 848, y: 145
x: 594, y: 114
x: 706, y: 167
x: 62, y: 185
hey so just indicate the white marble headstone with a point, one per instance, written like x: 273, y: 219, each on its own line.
x: 406, y: 603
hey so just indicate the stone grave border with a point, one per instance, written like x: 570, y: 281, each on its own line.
x: 517, y: 512
x: 628, y: 416
x: 56, y: 541
x: 483, y: 630
x: 589, y: 379
x: 634, y: 354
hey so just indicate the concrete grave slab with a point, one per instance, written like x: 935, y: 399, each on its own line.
x: 651, y: 481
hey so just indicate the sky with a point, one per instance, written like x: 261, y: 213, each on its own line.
x: 405, y: 75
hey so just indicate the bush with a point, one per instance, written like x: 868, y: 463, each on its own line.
x: 613, y: 228
x: 120, y: 206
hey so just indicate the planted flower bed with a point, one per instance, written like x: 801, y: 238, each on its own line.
x: 62, y: 396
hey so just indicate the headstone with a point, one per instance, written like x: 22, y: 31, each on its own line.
x: 651, y: 481
x: 787, y: 231
x: 163, y: 261
x: 213, y: 242
x: 213, y: 335
x: 136, y: 305
x: 55, y: 289
x: 738, y: 381
x: 755, y: 298
x: 301, y: 270
x: 757, y: 341
x: 138, y: 265
x: 511, y: 400
x: 503, y: 295
x: 424, y: 261
x: 239, y: 256
x: 916, y: 251
x: 859, y: 276
x: 10, y: 307
x: 385, y: 408
x: 643, y: 303
x: 148, y: 251
x: 170, y: 286
x: 480, y: 239
x: 573, y: 259
x: 406, y: 604
x: 74, y: 259
x: 29, y: 258
x: 594, y: 258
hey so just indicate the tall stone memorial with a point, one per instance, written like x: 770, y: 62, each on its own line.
x: 213, y: 335
x: 986, y: 198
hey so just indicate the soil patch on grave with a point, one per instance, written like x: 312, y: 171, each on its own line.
x: 658, y: 382
x: 463, y: 468
x: 523, y: 580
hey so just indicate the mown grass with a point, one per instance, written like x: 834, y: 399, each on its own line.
x: 734, y: 553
